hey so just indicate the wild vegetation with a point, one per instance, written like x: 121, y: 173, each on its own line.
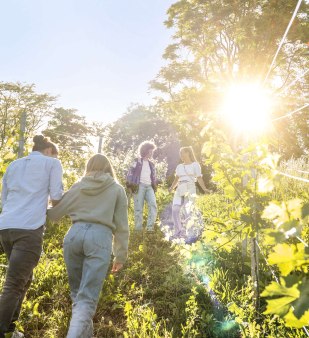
x: 246, y: 273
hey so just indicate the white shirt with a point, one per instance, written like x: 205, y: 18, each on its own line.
x: 188, y: 172
x: 145, y: 173
x: 26, y: 186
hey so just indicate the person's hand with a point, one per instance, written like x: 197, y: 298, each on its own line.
x: 170, y: 189
x: 117, y: 267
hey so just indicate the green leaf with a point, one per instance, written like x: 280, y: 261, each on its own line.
x: 246, y: 218
x: 279, y: 306
x: 283, y: 297
x: 294, y: 208
x: 288, y: 257
x: 292, y: 321
x: 282, y: 213
x: 209, y: 234
x: 207, y: 149
x: 9, y: 156
x: 301, y: 305
x: 35, y: 309
x: 274, y: 237
x: 275, y: 289
x: 272, y: 211
x: 271, y: 161
x: 305, y: 210
x: 229, y: 191
x: 265, y: 185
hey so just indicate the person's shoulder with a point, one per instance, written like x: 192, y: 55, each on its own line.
x: 119, y: 186
x: 16, y: 163
x: 53, y: 161
x: 197, y: 168
x: 75, y: 185
x: 120, y: 189
x: 10, y: 166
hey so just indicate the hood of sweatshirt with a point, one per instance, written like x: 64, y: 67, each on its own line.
x: 94, y: 185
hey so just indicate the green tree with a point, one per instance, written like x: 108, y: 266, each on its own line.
x: 217, y: 43
x: 15, y: 99
x: 141, y: 123
x: 72, y: 133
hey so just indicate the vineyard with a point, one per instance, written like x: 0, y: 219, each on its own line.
x: 201, y: 289
x: 233, y: 85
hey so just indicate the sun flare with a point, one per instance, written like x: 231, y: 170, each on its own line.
x: 246, y: 108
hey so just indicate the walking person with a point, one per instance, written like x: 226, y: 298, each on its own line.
x: 97, y: 206
x: 26, y: 186
x: 187, y: 173
x: 141, y: 180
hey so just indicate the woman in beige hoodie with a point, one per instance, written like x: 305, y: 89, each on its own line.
x: 97, y: 206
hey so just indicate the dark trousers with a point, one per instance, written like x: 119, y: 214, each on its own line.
x: 23, y: 250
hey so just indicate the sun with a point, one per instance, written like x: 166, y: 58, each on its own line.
x: 246, y: 108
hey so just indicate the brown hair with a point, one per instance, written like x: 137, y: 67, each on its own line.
x: 42, y: 143
x: 99, y: 164
x: 189, y: 150
x: 54, y: 148
x: 144, y: 147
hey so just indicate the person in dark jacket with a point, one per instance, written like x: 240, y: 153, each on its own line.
x: 141, y: 180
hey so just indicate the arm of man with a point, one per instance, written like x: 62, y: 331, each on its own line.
x: 4, y: 192
x: 55, y: 182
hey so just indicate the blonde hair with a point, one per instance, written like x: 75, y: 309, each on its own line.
x: 189, y: 150
x: 99, y: 164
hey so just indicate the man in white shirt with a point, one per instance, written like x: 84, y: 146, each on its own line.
x: 26, y: 186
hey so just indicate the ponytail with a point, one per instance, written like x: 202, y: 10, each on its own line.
x: 42, y: 143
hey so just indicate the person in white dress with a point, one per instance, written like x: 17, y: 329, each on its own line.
x: 187, y: 174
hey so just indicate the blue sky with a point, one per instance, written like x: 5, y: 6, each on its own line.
x: 97, y: 55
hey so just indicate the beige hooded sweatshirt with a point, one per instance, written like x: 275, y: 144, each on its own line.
x: 98, y: 199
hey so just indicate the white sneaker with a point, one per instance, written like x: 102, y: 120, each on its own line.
x: 17, y: 334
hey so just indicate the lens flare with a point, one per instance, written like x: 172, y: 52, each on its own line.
x: 246, y: 108
x: 228, y: 325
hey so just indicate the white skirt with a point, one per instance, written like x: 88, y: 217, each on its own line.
x: 184, y: 191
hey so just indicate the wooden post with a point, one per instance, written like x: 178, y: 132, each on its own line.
x: 21, y: 143
x: 100, y: 145
x: 244, y: 246
x: 255, y: 272
x: 254, y: 249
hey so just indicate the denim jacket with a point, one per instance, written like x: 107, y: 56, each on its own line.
x: 134, y: 175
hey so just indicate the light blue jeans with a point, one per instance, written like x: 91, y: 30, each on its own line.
x: 87, y: 253
x: 145, y: 193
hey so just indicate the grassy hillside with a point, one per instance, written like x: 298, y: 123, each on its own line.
x: 167, y: 288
